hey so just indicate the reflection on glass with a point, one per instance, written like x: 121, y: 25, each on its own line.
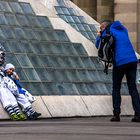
x: 19, y: 33
x: 44, y: 22
x: 11, y: 58
x: 27, y: 9
x: 15, y: 7
x: 4, y: 6
x: 11, y: 19
x: 8, y: 33
x: 23, y: 20
x: 61, y: 35
x: 26, y: 62
x: 2, y: 19
x: 21, y: 74
x: 32, y: 74
x: 35, y: 60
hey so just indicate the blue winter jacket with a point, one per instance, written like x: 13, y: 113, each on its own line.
x: 124, y: 52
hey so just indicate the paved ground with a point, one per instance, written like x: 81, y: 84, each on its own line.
x: 96, y: 128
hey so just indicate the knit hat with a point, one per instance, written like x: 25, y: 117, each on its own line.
x: 9, y: 66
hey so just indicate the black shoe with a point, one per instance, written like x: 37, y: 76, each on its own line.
x: 30, y: 117
x: 36, y: 115
x: 115, y: 119
x: 136, y: 119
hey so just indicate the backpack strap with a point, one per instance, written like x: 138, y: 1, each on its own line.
x: 107, y: 63
x: 106, y: 67
x: 108, y: 29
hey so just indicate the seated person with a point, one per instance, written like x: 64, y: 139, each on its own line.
x: 7, y: 99
x: 21, y: 97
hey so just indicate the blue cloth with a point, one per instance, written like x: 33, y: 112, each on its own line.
x: 17, y: 82
x: 124, y: 52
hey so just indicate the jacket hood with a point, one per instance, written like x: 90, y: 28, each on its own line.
x: 117, y: 25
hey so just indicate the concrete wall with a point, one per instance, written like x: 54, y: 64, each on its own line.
x: 105, y: 10
x: 126, y: 11
x: 73, y: 106
x: 89, y: 6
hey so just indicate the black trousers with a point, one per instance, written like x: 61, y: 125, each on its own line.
x: 118, y: 73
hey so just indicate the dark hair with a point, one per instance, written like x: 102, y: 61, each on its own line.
x: 107, y: 22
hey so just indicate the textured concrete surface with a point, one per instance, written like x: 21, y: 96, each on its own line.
x: 96, y: 128
x: 65, y: 106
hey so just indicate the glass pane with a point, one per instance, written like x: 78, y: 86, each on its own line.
x: 14, y: 46
x: 109, y: 88
x: 102, y: 89
x: 31, y: 74
x: 85, y: 34
x: 40, y: 48
x: 2, y: 19
x: 76, y: 19
x: 76, y: 62
x: 61, y: 3
x: 82, y: 88
x: 124, y: 89
x: 51, y: 35
x: 11, y: 19
x: 61, y: 76
x: 80, y: 27
x: 51, y: 89
x: 42, y: 73
x: 59, y: 10
x: 16, y: 7
x: 87, y: 63
x: 87, y: 28
x: 30, y: 34
x: 70, y: 19
x: 54, y: 60
x: 35, y: 88
x: 5, y: 45
x: 35, y: 60
x: 23, y: 20
x: 64, y: 18
x: 67, y: 89
x: 82, y: 19
x: 65, y: 62
x: 93, y: 28
x: 68, y: 49
x: 11, y: 58
x: 2, y: 35
x: 8, y: 33
x: 27, y: 9
x: 4, y: 6
x: 72, y: 11
x: 45, y: 61
x: 74, y: 26
x: 65, y: 11
x: 41, y: 35
x: 95, y: 76
x: 54, y: 48
x: 80, y: 49
x: 26, y: 47
x: 33, y: 21
x: 91, y: 35
x: 19, y: 33
x: 97, y: 63
x: 44, y: 22
x: 26, y: 62
x: 73, y: 75
x: 84, y: 76
x: 61, y: 35
x: 21, y: 74
x: 51, y: 75
x: 92, y: 90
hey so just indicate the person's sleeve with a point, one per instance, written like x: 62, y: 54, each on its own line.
x: 97, y: 41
